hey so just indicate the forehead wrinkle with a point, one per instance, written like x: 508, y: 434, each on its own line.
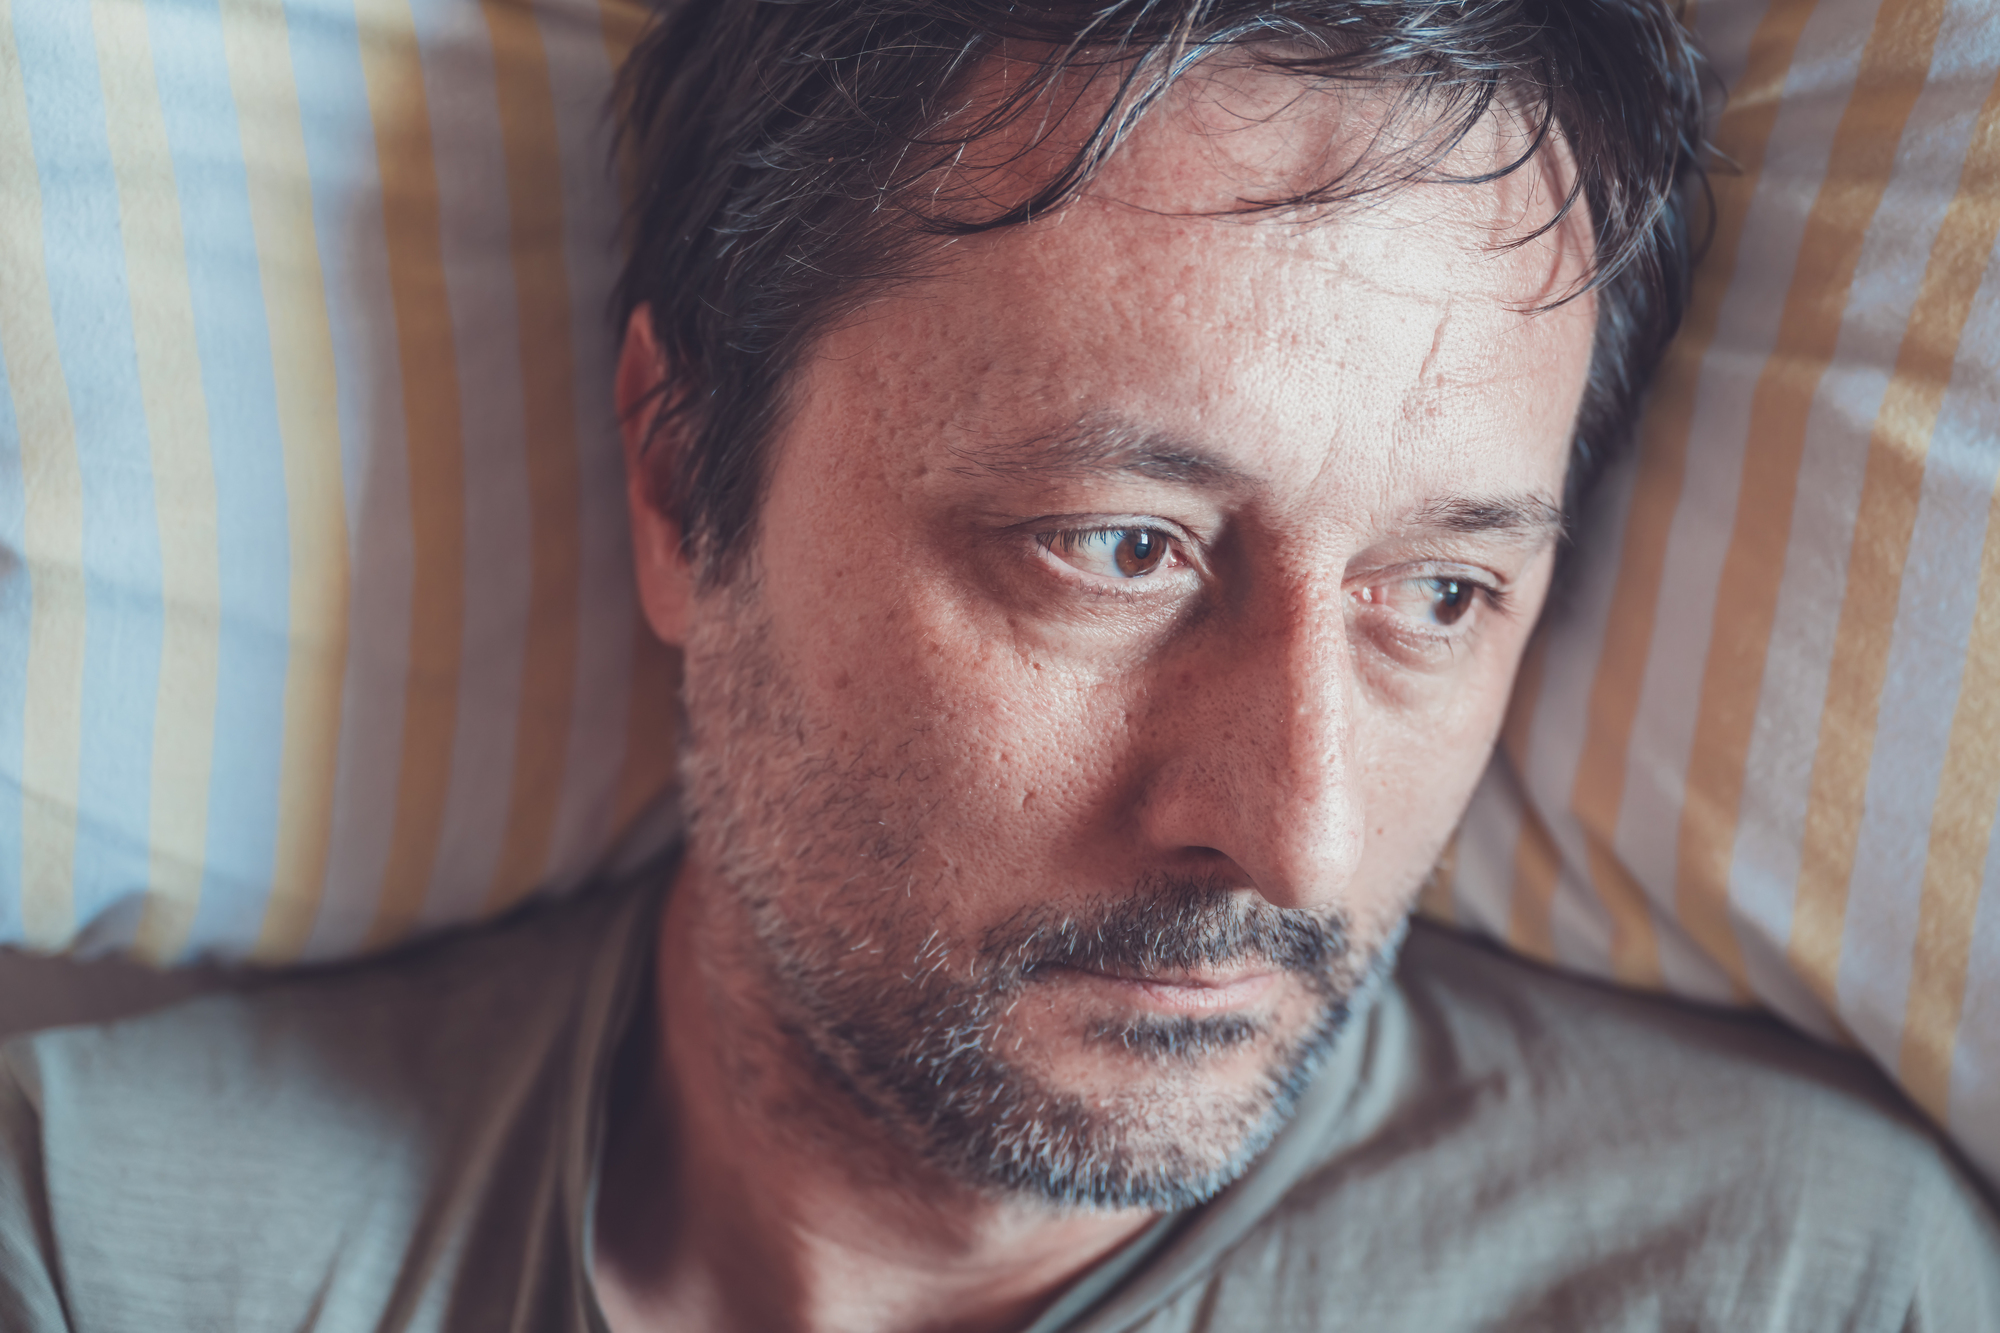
x: 1099, y: 448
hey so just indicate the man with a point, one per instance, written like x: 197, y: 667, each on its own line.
x: 1103, y: 465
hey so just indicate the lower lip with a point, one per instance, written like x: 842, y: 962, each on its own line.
x: 1188, y: 997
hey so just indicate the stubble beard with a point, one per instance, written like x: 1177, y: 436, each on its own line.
x: 818, y: 854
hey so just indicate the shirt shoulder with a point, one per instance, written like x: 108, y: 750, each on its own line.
x: 1528, y: 1150
x: 360, y: 1139
x: 29, y: 1300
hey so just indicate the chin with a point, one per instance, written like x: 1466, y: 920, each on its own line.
x: 1052, y: 1099
x: 1155, y: 1114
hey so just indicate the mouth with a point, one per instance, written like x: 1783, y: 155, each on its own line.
x: 1183, y: 992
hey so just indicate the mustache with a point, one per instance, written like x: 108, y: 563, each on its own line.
x: 1168, y: 924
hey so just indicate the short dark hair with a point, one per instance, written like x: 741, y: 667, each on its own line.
x: 780, y: 152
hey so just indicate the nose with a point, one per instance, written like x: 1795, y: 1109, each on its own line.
x: 1253, y: 755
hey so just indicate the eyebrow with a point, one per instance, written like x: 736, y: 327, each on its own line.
x: 1095, y: 448
x: 1529, y: 516
x: 1105, y: 448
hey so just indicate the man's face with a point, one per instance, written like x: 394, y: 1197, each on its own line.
x: 1129, y: 615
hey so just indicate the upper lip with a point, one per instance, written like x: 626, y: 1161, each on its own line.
x: 1200, y: 980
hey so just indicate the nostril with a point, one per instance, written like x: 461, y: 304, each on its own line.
x: 1202, y: 856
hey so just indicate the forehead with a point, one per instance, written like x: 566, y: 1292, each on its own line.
x: 1398, y: 322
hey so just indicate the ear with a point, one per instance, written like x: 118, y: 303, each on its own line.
x: 642, y: 390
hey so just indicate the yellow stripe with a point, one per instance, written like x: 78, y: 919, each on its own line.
x: 183, y: 476
x: 1961, y: 825
x: 1537, y: 872
x: 1598, y: 792
x: 1969, y: 788
x: 52, y: 481
x: 258, y: 52
x: 1891, y: 489
x: 548, y: 397
x: 1538, y: 859
x: 1894, y: 64
x: 1537, y: 864
x: 434, y: 428
x: 1635, y: 948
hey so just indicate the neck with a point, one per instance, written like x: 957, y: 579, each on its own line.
x: 743, y: 1190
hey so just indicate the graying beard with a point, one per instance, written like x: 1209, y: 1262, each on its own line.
x: 1171, y: 1040
x: 927, y: 1059
x: 769, y: 810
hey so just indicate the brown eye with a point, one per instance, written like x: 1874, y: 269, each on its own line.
x: 1111, y: 553
x: 1450, y: 599
x: 1436, y: 599
x: 1140, y: 551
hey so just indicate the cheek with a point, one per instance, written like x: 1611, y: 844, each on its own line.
x: 1028, y: 766
x: 1421, y: 765
x: 975, y: 722
x: 1002, y: 758
x: 1418, y: 783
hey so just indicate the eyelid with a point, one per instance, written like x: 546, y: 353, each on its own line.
x: 1053, y: 524
x: 1488, y: 581
x: 1183, y: 546
x: 1492, y: 595
x: 1185, y: 543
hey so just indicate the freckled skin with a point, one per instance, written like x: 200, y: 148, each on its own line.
x: 1275, y: 710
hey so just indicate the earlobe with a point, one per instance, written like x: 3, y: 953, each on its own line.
x: 642, y: 388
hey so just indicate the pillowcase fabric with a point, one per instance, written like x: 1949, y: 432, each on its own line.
x: 1755, y: 756
x: 316, y: 624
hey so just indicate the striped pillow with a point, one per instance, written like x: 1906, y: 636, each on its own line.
x: 316, y: 627
x: 1756, y: 755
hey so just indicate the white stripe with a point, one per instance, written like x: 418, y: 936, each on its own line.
x: 1580, y: 926
x: 52, y: 543
x: 458, y: 73
x: 1927, y: 653
x: 163, y: 328
x: 580, y: 71
x: 258, y: 49
x: 362, y: 311
x: 1840, y: 424
x: 1663, y: 728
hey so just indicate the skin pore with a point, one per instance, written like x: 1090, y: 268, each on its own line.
x: 1131, y: 609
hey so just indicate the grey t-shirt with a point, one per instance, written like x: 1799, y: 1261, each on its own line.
x: 408, y: 1143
